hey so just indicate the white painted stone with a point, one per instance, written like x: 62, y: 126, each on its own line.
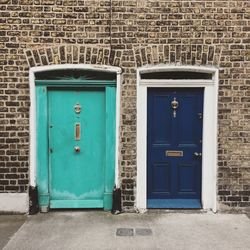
x: 14, y: 202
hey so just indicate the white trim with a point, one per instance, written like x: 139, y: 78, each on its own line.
x: 170, y: 83
x: 14, y: 202
x: 209, y: 159
x: 32, y: 121
x: 117, y: 129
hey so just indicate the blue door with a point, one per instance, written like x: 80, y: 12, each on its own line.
x: 174, y: 147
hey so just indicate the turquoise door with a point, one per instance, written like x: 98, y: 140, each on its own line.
x: 76, y: 129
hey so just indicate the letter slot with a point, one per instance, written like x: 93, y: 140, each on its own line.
x: 77, y: 131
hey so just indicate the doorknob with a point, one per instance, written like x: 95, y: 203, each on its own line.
x: 77, y: 149
x: 197, y: 154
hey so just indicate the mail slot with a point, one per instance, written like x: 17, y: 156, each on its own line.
x: 171, y: 153
x: 77, y: 131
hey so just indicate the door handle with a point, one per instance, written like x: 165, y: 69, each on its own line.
x: 197, y: 154
x: 77, y: 149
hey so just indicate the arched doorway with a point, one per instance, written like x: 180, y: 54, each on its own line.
x: 177, y: 171
x: 74, y: 134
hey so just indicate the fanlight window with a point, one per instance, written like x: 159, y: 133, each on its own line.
x: 175, y: 75
x: 74, y: 74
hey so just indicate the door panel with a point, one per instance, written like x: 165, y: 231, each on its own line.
x: 186, y: 182
x: 77, y: 177
x: 161, y: 181
x: 187, y: 125
x: 174, y: 136
x: 160, y: 136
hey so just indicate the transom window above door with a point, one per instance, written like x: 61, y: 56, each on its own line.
x: 74, y: 74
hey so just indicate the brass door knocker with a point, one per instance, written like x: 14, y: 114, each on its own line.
x: 175, y: 105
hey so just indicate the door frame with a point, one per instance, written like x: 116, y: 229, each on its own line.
x: 209, y: 136
x: 34, y: 136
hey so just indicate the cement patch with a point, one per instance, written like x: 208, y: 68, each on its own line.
x: 143, y: 231
x: 125, y: 232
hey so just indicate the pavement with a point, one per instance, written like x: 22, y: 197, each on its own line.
x: 102, y: 230
x: 9, y: 224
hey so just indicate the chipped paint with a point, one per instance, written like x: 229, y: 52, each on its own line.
x: 70, y: 196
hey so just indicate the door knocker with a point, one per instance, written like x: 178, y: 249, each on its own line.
x: 175, y: 105
x: 77, y: 108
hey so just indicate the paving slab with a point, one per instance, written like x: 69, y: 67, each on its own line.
x: 98, y: 230
x: 9, y: 224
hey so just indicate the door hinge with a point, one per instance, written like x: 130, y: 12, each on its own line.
x: 200, y: 115
x: 50, y: 150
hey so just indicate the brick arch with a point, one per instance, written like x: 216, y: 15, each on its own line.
x: 177, y: 54
x: 73, y: 54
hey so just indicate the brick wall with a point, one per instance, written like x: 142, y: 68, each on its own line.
x: 207, y: 32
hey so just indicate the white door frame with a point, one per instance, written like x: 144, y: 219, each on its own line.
x: 100, y: 68
x: 209, y: 141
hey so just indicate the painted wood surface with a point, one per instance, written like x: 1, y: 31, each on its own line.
x: 69, y: 179
x: 77, y: 175
x: 42, y: 146
x: 174, y: 181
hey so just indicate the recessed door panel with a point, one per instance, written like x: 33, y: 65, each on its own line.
x: 161, y: 182
x: 186, y: 129
x: 161, y: 135
x: 186, y: 178
x: 77, y: 146
x: 174, y: 139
